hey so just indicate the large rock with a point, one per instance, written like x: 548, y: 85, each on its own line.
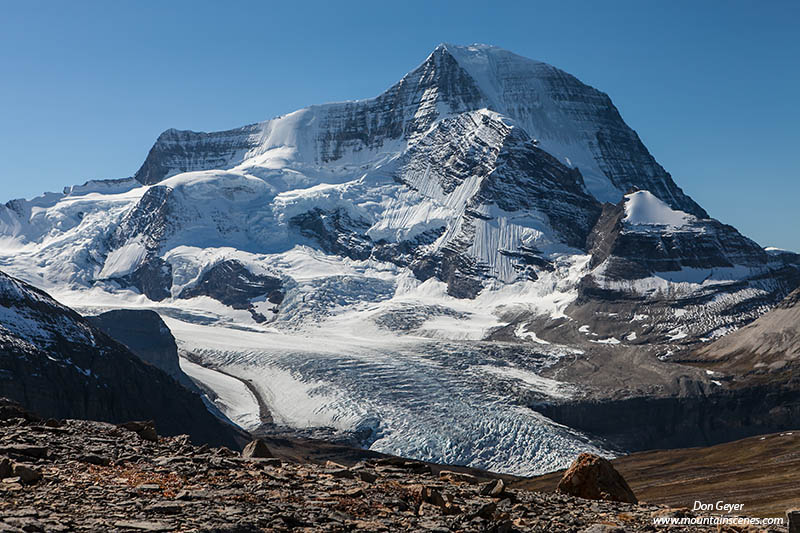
x: 6, y: 468
x: 793, y: 520
x: 594, y: 478
x: 27, y: 474
x: 145, y: 429
x: 257, y: 449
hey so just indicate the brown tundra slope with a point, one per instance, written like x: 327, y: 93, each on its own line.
x: 763, y: 473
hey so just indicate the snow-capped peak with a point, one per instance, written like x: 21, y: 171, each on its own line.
x: 643, y: 208
x: 572, y: 121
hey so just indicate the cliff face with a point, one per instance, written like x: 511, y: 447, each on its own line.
x: 56, y: 363
x: 147, y: 336
x: 651, y: 423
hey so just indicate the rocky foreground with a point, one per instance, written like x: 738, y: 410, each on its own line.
x: 79, y: 475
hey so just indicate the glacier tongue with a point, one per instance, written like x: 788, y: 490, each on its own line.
x: 448, y: 403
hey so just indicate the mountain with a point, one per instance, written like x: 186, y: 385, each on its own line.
x: 576, y: 123
x: 54, y: 361
x: 486, y: 232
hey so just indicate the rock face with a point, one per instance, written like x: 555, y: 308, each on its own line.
x: 594, y: 478
x: 56, y: 363
x: 170, y: 485
x: 231, y: 283
x: 146, y: 335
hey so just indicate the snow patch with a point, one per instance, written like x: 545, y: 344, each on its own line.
x: 123, y: 260
x: 520, y: 332
x: 644, y: 208
x: 548, y: 387
x: 611, y: 340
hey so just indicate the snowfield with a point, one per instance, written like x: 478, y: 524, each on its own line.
x: 643, y: 208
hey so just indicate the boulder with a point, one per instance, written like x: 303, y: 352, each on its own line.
x: 6, y: 468
x: 27, y: 474
x: 595, y: 478
x: 145, y: 430
x: 793, y: 520
x: 495, y: 488
x: 257, y: 449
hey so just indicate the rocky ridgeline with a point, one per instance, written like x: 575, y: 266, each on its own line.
x: 78, y: 475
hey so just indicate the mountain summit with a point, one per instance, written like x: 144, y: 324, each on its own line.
x: 577, y: 124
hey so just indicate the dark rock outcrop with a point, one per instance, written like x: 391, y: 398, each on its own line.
x: 153, y: 278
x: 54, y: 362
x: 335, y: 232
x: 144, y: 333
x: 232, y: 284
x: 696, y: 419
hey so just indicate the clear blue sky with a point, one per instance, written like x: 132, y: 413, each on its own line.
x: 711, y: 87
